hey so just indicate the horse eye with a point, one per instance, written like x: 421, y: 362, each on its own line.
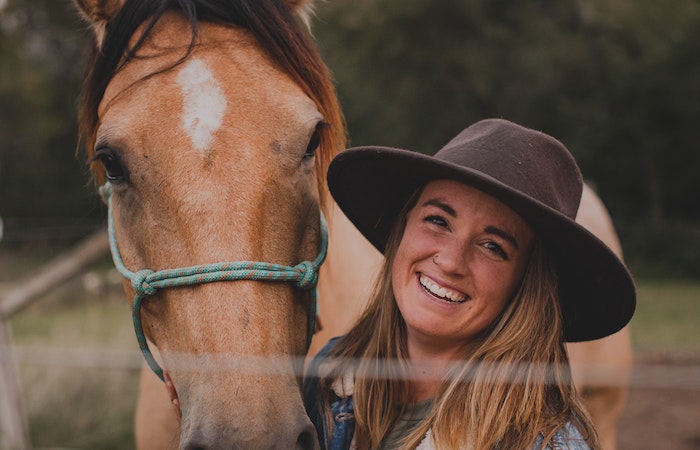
x: 112, y: 164
x: 315, y: 140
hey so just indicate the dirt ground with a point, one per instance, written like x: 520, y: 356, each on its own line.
x: 663, y: 409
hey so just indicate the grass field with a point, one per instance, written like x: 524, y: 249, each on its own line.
x: 73, y: 402
x: 73, y: 405
x: 667, y: 316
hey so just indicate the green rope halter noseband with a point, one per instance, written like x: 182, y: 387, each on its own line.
x: 146, y: 282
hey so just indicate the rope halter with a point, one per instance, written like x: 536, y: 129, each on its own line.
x: 147, y: 282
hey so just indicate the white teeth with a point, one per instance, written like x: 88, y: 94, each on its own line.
x: 439, y: 291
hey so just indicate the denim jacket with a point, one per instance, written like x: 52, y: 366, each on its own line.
x: 342, y: 413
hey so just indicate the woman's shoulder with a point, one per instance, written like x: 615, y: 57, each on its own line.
x: 312, y: 372
x: 330, y: 345
x: 567, y: 437
x: 312, y: 377
x: 321, y: 356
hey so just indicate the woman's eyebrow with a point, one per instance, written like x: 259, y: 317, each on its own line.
x: 489, y: 229
x: 504, y: 234
x: 441, y: 205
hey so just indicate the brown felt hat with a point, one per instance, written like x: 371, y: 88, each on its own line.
x: 532, y: 173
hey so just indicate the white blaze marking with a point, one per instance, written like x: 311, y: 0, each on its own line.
x: 204, y: 103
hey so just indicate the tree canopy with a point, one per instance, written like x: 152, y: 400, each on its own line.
x: 616, y: 81
x: 41, y: 48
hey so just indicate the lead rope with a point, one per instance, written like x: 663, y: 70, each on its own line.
x: 146, y: 282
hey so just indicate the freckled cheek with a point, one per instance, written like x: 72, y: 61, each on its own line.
x: 500, y: 288
x: 496, y: 307
x: 417, y: 245
x: 407, y: 256
x: 403, y: 274
x: 398, y: 271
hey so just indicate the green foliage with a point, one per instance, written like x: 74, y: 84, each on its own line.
x: 615, y: 81
x: 41, y: 54
x: 669, y: 250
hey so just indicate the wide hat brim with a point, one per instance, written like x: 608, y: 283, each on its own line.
x: 597, y: 293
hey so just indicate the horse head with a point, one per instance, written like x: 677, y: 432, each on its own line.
x: 211, y: 124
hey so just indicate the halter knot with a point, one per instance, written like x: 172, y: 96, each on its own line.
x: 140, y: 284
x: 308, y: 276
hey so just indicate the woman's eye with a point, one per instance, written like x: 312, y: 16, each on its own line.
x: 113, y: 167
x: 496, y: 249
x: 436, y: 220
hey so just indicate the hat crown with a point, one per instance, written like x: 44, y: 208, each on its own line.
x: 530, y: 162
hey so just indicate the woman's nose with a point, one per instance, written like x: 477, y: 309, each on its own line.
x: 452, y: 259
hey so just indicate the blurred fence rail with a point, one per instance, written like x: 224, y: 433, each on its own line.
x: 648, y: 371
x: 14, y: 429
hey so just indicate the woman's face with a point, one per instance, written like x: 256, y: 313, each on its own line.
x: 460, y: 260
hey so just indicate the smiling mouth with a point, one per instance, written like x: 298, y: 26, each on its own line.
x: 442, y: 293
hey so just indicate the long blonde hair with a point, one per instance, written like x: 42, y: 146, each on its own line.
x: 513, y: 383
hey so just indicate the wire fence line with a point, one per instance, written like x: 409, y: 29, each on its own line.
x: 681, y: 376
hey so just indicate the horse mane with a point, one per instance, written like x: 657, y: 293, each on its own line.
x: 273, y: 25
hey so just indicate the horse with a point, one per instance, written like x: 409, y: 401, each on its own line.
x: 190, y: 107
x: 210, y: 125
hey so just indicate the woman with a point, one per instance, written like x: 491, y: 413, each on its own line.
x: 486, y: 275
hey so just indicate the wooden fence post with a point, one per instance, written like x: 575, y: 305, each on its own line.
x: 14, y: 430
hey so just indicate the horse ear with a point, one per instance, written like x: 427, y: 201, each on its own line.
x: 303, y: 9
x: 98, y: 13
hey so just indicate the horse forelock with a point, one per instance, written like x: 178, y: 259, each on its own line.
x: 273, y: 25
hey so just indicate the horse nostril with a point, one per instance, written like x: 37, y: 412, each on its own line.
x: 193, y: 446
x: 307, y: 439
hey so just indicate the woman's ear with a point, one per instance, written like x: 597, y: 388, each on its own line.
x: 98, y: 13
